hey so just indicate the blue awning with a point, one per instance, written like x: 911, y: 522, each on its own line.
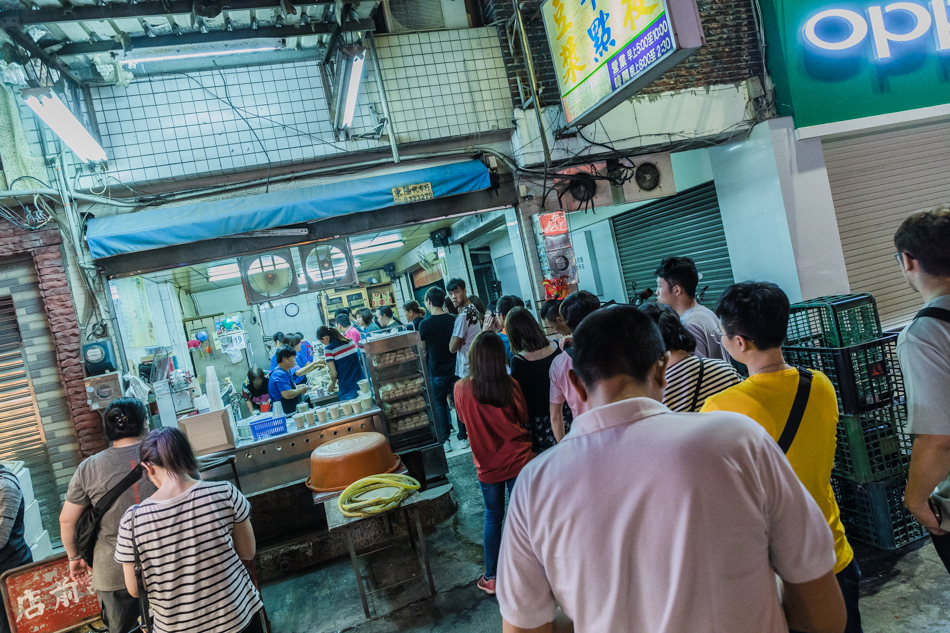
x: 170, y: 226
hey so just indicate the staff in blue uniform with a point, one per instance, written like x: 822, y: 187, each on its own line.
x: 282, y: 383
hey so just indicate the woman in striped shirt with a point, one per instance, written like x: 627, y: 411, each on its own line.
x: 191, y: 537
x: 689, y: 379
x: 343, y: 362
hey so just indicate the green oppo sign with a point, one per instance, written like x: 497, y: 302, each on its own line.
x: 835, y: 61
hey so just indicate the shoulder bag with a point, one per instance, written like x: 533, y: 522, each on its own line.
x: 939, y: 500
x: 145, y: 617
x: 87, y: 527
x: 699, y: 384
x: 798, y: 410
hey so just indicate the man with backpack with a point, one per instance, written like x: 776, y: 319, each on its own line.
x: 797, y: 407
x: 923, y: 348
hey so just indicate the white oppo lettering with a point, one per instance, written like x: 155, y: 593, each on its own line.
x: 876, y: 23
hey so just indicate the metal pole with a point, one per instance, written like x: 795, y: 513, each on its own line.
x: 532, y: 83
x: 378, y: 73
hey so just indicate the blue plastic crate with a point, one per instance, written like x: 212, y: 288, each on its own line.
x: 270, y: 427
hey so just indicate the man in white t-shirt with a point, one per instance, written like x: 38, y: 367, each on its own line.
x: 468, y: 324
x: 647, y: 520
x: 676, y: 282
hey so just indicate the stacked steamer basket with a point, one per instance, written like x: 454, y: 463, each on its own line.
x: 841, y: 337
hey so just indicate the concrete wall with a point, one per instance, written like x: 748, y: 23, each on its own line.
x: 753, y: 212
x: 810, y: 210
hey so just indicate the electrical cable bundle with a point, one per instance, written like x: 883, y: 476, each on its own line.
x: 354, y: 503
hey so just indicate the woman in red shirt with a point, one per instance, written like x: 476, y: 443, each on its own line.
x: 495, y: 413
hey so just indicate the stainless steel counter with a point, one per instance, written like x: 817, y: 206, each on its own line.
x: 276, y: 462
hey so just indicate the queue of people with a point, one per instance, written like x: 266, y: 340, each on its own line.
x: 671, y: 503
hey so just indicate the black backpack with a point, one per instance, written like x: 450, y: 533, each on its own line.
x: 87, y: 527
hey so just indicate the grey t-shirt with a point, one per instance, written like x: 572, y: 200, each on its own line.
x: 95, y: 477
x: 704, y: 325
x: 923, y: 349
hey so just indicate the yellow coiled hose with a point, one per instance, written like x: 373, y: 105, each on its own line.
x: 352, y: 505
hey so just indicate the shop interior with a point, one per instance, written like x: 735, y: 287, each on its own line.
x: 218, y: 318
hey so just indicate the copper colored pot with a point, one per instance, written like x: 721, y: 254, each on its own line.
x: 338, y: 463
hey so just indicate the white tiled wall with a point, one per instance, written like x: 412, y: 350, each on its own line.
x: 440, y: 84
x: 307, y: 321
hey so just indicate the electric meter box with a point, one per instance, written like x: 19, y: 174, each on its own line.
x: 98, y: 357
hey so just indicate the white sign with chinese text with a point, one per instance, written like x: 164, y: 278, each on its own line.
x: 606, y: 50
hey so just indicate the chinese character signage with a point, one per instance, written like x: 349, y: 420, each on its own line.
x: 42, y: 598
x: 413, y: 193
x: 606, y: 50
x: 834, y: 61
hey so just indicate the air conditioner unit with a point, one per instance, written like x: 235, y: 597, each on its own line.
x: 403, y: 16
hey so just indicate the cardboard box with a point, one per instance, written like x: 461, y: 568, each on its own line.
x: 32, y: 522
x: 208, y: 432
x: 41, y: 548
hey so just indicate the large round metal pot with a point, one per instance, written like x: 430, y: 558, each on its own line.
x: 338, y: 463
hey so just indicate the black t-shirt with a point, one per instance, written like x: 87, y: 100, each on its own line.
x: 533, y: 378
x: 436, y: 332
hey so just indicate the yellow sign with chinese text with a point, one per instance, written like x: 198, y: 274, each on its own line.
x: 413, y: 193
x: 600, y: 45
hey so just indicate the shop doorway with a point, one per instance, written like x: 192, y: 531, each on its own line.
x: 486, y: 282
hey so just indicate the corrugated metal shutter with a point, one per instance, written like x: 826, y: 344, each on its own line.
x: 21, y: 436
x: 877, y: 180
x: 686, y: 225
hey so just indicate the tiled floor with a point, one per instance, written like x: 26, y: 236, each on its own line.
x: 906, y: 591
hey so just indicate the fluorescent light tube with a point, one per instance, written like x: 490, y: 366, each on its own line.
x: 378, y: 247
x: 64, y: 123
x: 223, y: 272
x: 352, y: 90
x: 165, y: 58
x: 383, y: 239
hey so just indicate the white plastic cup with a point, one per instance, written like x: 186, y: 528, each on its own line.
x: 347, y: 408
x: 322, y: 414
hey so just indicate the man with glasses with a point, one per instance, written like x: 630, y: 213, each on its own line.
x: 923, y: 348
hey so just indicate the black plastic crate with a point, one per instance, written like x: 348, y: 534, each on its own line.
x: 874, y: 512
x: 865, y: 376
x: 835, y: 321
x: 873, y: 445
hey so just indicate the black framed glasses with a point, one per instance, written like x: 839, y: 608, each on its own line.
x: 899, y: 256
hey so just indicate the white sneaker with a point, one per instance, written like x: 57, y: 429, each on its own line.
x: 463, y: 444
x: 447, y: 446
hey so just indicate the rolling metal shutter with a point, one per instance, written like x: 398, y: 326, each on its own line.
x: 686, y: 225
x: 21, y: 435
x: 877, y: 180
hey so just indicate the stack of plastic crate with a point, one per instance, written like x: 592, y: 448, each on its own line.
x: 841, y: 337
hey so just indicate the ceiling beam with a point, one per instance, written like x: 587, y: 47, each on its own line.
x: 17, y: 19
x: 192, y: 39
x: 34, y: 50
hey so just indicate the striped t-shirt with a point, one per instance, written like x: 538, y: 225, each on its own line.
x: 682, y: 382
x: 346, y: 359
x: 195, y: 580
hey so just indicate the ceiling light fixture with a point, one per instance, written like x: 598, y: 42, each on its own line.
x: 165, y: 58
x: 376, y: 241
x: 378, y: 247
x: 223, y: 272
x: 49, y: 107
x: 352, y: 89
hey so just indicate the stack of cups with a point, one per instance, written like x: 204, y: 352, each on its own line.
x: 364, y: 386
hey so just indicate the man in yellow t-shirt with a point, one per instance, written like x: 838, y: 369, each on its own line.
x: 754, y: 318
